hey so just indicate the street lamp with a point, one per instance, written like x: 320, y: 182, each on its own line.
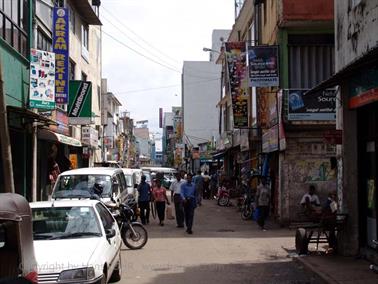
x: 209, y: 49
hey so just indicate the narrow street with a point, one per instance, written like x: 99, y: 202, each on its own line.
x: 222, y: 249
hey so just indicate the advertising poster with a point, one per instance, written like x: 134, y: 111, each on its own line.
x: 263, y: 66
x: 315, y: 106
x: 42, y: 79
x: 238, y: 82
x: 80, y: 103
x: 60, y: 37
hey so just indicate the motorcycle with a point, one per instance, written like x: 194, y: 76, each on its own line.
x: 248, y: 206
x: 374, y: 267
x: 223, y: 196
x: 134, y: 234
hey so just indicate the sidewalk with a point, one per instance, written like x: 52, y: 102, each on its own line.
x: 338, y: 269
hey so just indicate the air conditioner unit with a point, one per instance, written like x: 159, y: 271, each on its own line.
x: 96, y: 2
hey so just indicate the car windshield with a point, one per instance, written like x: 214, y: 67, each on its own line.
x: 81, y: 185
x: 129, y: 180
x: 65, y: 222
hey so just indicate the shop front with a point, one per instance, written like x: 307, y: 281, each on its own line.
x: 363, y: 97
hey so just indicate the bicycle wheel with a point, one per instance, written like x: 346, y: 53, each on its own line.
x: 153, y: 209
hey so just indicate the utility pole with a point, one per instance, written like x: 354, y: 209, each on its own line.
x: 6, y: 153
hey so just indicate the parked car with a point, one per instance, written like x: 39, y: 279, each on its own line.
x: 84, y: 182
x: 131, y: 181
x: 76, y: 241
x: 17, y: 259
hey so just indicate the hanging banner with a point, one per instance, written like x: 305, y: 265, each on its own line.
x: 315, y: 106
x: 238, y: 82
x: 60, y: 38
x: 42, y: 79
x: 80, y: 103
x: 263, y: 66
x: 281, y: 131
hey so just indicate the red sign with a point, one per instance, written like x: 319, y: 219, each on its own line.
x: 364, y: 98
x: 333, y: 137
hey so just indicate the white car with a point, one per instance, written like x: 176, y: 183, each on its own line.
x: 82, y: 182
x: 76, y: 241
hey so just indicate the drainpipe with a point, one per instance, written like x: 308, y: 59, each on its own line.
x: 33, y: 44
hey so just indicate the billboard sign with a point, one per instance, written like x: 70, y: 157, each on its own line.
x: 80, y: 103
x: 263, y: 66
x: 60, y: 37
x: 42, y: 79
x: 316, y: 106
x: 238, y: 82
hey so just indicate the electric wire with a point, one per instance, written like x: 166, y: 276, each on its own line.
x: 138, y: 44
x: 165, y: 87
x: 139, y: 53
x: 138, y: 36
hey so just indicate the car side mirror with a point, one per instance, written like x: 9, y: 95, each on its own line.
x: 135, y: 185
x: 110, y: 233
x: 115, y: 187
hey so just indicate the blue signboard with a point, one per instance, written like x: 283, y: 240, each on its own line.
x: 61, y: 49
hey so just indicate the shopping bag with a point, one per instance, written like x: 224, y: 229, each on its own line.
x: 256, y: 214
x: 169, y: 212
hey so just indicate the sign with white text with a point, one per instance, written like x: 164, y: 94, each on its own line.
x: 60, y: 37
x: 80, y: 103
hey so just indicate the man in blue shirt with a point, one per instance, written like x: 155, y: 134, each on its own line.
x: 188, y: 194
x: 144, y: 198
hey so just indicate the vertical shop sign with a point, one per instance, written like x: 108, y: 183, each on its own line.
x: 238, y: 82
x: 60, y: 39
x: 281, y: 131
x: 263, y: 66
x: 80, y: 103
x: 42, y: 79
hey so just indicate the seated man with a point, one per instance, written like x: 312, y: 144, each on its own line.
x: 328, y: 218
x: 311, y: 204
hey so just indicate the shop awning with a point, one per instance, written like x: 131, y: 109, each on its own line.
x: 367, y: 59
x: 45, y: 134
x: 219, y: 155
x: 32, y: 116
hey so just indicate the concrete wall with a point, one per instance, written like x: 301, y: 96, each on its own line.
x: 306, y: 161
x: 318, y: 10
x: 217, y: 42
x: 15, y: 76
x: 356, y: 30
x: 201, y: 93
x: 269, y: 23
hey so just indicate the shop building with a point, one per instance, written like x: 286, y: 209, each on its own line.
x: 356, y: 58
x: 274, y: 137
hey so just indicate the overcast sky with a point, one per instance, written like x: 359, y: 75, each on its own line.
x: 167, y: 32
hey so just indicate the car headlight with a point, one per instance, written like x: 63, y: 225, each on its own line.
x: 77, y: 274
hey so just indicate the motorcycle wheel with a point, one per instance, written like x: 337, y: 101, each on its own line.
x: 223, y: 201
x: 246, y: 213
x: 136, y: 241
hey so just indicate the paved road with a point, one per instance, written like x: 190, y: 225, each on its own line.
x: 223, y: 249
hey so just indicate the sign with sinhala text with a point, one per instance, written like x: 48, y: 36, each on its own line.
x: 60, y: 37
x: 263, y: 66
x: 42, y: 79
x: 80, y: 103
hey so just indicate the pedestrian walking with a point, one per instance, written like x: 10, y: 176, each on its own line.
x: 189, y: 196
x: 144, y: 197
x: 206, y: 185
x: 198, y: 182
x: 160, y: 197
x: 263, y: 199
x: 177, y: 199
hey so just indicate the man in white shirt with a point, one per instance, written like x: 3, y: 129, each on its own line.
x: 310, y: 198
x: 176, y: 193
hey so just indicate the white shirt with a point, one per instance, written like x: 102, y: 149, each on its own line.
x: 176, y: 186
x: 314, y: 199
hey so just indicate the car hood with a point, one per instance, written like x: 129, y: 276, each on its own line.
x: 54, y: 256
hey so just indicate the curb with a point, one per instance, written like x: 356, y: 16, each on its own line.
x: 324, y: 276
